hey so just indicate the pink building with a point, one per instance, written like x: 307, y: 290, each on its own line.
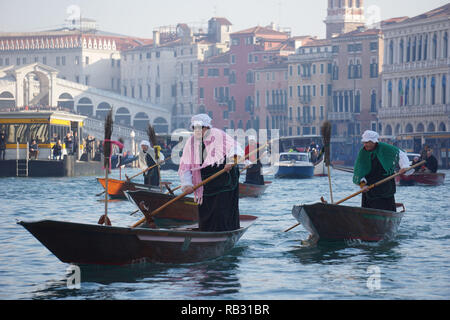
x: 227, y: 82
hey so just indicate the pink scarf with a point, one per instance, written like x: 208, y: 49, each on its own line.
x: 217, y: 145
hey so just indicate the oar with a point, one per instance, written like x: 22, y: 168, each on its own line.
x: 376, y: 184
x: 147, y: 169
x: 175, y: 189
x: 155, y: 212
x: 380, y: 182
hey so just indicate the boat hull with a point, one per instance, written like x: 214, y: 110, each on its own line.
x: 320, y: 170
x: 85, y: 244
x: 117, y: 188
x: 336, y: 223
x: 247, y: 190
x: 419, y: 178
x: 183, y: 211
x: 295, y: 172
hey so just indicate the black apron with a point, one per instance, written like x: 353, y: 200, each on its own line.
x: 220, y: 208
x: 151, y: 177
x: 382, y: 196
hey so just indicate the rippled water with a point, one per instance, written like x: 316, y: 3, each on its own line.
x: 266, y: 264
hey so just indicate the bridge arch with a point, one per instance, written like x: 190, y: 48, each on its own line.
x: 141, y: 121
x: 123, y: 116
x: 85, y: 107
x: 102, y: 110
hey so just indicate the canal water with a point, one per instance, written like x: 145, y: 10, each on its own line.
x: 266, y: 264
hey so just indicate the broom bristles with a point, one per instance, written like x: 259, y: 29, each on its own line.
x: 151, y: 135
x: 108, y: 134
x: 325, y: 131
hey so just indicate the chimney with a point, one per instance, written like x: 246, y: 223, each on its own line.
x: 156, y: 38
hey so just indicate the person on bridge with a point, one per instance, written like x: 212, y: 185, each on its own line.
x: 376, y: 161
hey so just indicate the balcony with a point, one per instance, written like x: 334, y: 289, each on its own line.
x: 305, y: 99
x: 423, y: 111
x: 416, y: 65
x: 340, y: 116
x: 277, y: 108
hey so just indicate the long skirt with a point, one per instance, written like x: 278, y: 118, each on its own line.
x: 220, y: 208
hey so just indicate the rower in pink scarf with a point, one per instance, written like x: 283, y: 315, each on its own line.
x: 218, y: 146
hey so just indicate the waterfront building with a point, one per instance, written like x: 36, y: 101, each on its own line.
x: 309, y: 87
x: 166, y: 72
x: 84, y: 55
x: 227, y: 82
x: 356, y: 89
x: 415, y: 101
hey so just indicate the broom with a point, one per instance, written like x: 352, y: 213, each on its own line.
x: 107, y: 154
x: 325, y: 131
x: 152, y: 138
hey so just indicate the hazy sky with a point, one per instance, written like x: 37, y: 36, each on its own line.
x: 140, y: 17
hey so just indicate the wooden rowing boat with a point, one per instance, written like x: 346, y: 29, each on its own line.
x: 421, y: 178
x: 320, y: 169
x: 182, y: 212
x: 82, y: 244
x: 252, y: 190
x: 116, y: 188
x: 336, y: 222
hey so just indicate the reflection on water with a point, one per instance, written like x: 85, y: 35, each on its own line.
x: 266, y: 263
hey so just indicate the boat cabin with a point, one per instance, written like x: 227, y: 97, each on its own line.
x: 21, y: 128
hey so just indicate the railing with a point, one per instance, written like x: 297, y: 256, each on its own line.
x: 277, y: 108
x: 340, y: 116
x: 442, y: 110
x: 305, y: 99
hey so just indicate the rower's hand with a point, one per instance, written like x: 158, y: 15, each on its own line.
x: 228, y: 167
x: 188, y: 189
x: 365, y: 189
x: 403, y: 171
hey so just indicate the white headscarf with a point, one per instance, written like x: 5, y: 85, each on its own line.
x: 369, y: 135
x: 201, y: 119
x: 145, y: 143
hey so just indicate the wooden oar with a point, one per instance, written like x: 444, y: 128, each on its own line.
x: 380, y: 182
x: 149, y: 168
x: 175, y: 189
x: 155, y: 212
x: 369, y: 188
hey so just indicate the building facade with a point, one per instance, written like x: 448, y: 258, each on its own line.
x: 356, y: 89
x: 344, y: 16
x: 309, y: 87
x: 415, y: 105
x: 250, y: 50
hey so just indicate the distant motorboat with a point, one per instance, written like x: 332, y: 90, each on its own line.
x: 294, y: 165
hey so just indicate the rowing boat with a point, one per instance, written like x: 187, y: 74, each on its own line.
x: 331, y: 222
x: 182, y: 212
x: 421, y: 178
x: 93, y: 244
x: 252, y: 190
x: 116, y: 188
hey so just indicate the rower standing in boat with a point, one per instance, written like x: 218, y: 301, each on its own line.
x: 376, y: 161
x: 207, y: 152
x: 147, y: 158
x: 253, y: 174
